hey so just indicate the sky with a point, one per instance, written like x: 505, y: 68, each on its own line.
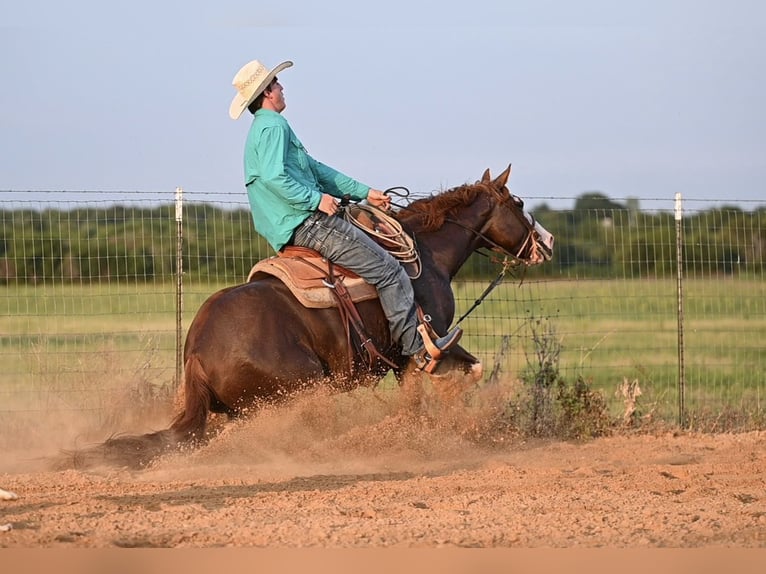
x: 630, y: 99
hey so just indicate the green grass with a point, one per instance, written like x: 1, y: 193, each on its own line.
x: 60, y: 343
x: 616, y: 329
x: 67, y: 338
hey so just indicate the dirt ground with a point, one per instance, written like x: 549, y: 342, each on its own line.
x: 360, y: 471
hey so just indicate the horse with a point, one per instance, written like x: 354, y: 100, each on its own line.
x: 255, y: 343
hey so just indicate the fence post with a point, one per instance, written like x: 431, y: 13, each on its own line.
x: 179, y: 284
x: 680, y: 298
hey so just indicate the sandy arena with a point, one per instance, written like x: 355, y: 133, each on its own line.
x: 359, y: 471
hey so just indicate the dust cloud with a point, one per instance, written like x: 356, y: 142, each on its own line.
x: 380, y: 430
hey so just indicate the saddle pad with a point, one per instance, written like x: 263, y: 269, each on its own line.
x: 305, y: 278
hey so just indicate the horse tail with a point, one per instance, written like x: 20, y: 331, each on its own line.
x: 138, y: 451
x: 189, y: 425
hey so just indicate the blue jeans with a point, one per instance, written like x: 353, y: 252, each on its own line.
x: 342, y: 243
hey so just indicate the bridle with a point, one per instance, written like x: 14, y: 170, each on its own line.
x: 526, y: 250
x: 522, y: 258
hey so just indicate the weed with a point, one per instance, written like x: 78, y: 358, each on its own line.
x: 629, y: 391
x: 556, y: 407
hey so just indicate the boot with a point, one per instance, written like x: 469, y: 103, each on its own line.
x: 449, y: 340
x: 435, y: 346
x: 427, y: 358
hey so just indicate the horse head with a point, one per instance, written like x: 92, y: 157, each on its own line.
x: 509, y: 228
x: 490, y: 216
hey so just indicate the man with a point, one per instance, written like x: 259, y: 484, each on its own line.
x: 294, y: 200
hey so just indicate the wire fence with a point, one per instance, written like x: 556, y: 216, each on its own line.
x: 663, y: 299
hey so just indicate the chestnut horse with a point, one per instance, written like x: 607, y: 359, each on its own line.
x: 255, y: 342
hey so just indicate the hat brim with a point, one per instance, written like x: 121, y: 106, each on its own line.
x: 240, y: 103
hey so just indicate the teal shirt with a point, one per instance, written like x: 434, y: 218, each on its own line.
x: 284, y: 183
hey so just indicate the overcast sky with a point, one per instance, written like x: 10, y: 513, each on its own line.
x: 632, y: 99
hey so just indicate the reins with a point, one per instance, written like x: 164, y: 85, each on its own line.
x: 510, y: 260
x: 506, y: 265
x: 388, y: 231
x: 528, y: 245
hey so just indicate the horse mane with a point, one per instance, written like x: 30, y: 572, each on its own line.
x: 428, y: 214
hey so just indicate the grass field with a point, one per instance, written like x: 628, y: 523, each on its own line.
x: 61, y: 342
x: 611, y: 330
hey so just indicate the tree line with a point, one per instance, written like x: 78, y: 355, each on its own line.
x: 599, y: 237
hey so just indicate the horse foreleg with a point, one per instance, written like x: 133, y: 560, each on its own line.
x: 411, y: 385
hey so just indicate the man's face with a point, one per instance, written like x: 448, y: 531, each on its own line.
x: 273, y: 97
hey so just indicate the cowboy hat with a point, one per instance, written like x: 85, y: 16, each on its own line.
x: 250, y: 81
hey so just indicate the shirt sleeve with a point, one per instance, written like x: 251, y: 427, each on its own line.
x: 338, y: 184
x: 272, y: 151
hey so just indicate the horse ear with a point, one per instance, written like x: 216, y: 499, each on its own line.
x: 502, y: 179
x: 485, y: 177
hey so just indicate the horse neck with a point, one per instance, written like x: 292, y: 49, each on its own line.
x: 450, y: 246
x: 443, y: 252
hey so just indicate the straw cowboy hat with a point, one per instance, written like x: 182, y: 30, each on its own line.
x: 250, y: 81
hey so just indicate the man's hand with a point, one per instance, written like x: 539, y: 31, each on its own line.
x: 328, y: 204
x: 379, y: 199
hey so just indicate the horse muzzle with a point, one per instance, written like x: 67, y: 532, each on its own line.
x: 543, y: 245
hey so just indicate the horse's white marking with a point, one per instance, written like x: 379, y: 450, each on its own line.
x: 477, y: 370
x: 545, y: 236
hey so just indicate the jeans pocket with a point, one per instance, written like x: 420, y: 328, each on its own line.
x: 309, y: 233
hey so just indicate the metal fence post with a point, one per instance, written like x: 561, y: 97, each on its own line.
x: 680, y: 297
x: 179, y: 284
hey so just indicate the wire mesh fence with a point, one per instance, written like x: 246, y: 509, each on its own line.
x: 633, y: 299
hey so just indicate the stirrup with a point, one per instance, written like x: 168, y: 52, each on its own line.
x: 424, y: 362
x: 436, y: 347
